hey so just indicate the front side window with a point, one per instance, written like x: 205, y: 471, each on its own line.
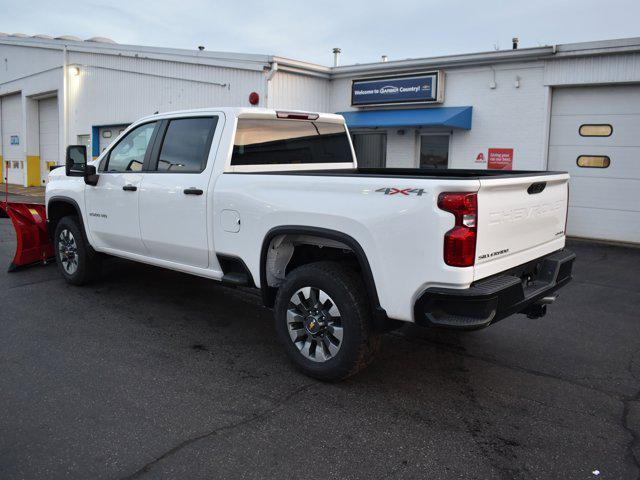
x: 281, y: 142
x: 128, y: 154
x: 186, y: 143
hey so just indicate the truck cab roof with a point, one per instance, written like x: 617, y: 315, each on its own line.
x: 249, y: 112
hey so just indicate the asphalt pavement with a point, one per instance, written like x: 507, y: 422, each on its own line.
x: 154, y: 374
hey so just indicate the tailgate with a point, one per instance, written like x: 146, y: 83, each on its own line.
x: 519, y: 219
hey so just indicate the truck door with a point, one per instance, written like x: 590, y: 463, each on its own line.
x: 174, y: 218
x: 112, y: 205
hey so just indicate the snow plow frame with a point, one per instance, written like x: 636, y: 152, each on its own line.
x: 33, y: 244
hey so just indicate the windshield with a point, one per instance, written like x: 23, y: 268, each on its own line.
x: 277, y: 142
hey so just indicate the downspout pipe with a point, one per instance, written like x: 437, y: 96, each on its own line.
x: 272, y: 71
x: 65, y: 101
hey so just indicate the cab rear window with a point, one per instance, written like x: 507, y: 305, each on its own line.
x: 278, y: 142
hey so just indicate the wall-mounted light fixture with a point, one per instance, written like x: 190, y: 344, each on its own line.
x: 74, y: 70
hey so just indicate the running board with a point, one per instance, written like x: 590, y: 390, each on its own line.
x: 236, y: 279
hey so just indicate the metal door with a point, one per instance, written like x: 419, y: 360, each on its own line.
x: 595, y: 136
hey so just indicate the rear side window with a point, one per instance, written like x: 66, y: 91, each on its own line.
x: 273, y: 142
x: 186, y: 143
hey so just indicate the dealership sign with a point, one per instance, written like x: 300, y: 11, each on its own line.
x: 423, y: 88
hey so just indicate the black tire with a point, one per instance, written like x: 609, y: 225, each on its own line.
x: 345, y: 288
x: 88, y: 262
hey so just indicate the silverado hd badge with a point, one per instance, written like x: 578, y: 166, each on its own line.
x: 493, y: 254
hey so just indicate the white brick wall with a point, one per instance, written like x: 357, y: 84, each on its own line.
x: 504, y: 117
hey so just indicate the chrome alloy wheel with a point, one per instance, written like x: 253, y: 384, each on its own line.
x: 68, y: 251
x: 314, y: 324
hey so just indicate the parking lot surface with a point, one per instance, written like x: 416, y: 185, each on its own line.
x: 154, y: 374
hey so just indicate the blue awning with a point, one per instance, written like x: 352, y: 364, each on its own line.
x: 452, y: 117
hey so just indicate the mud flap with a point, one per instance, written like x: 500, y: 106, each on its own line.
x: 32, y: 238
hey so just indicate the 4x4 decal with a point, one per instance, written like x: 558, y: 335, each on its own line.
x: 401, y: 191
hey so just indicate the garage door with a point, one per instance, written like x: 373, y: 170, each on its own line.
x: 595, y: 136
x: 48, y: 123
x: 12, y: 138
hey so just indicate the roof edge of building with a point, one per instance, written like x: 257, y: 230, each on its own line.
x: 235, y: 60
x: 601, y: 47
x: 261, y: 61
x: 498, y: 56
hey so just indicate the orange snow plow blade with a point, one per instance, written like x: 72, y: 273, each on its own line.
x: 33, y: 242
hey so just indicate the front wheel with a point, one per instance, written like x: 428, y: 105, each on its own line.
x: 78, y: 263
x: 322, y: 318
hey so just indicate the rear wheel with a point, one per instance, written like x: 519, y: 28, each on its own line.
x: 322, y: 318
x: 78, y: 263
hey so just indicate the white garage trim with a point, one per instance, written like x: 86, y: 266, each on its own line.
x: 13, y: 139
x: 48, y: 135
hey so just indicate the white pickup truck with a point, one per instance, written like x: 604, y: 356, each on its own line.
x: 275, y: 200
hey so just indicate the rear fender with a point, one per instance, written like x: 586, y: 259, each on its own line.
x: 380, y: 320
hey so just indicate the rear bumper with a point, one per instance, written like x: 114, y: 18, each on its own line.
x: 496, y: 297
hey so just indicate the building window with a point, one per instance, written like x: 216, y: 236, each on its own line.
x: 593, y: 161
x: 434, y: 151
x: 593, y: 130
x: 371, y: 149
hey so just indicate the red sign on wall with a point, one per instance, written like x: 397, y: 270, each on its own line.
x: 500, y: 159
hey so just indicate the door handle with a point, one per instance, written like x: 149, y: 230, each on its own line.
x: 193, y: 191
x: 130, y: 188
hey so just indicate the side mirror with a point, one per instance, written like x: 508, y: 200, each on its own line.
x: 91, y: 176
x: 76, y: 160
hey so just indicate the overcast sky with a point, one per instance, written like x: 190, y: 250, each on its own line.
x: 308, y: 30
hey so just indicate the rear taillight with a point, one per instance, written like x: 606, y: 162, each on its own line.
x: 460, y: 241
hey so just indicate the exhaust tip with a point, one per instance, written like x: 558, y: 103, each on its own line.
x: 547, y: 300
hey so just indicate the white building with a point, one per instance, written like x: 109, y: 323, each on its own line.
x: 573, y: 107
